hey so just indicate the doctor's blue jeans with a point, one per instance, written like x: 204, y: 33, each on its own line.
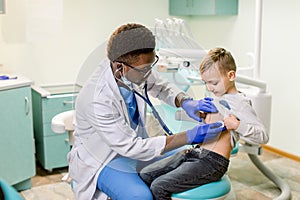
x: 120, y: 181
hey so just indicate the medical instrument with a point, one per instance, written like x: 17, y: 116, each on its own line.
x: 154, y: 111
x: 171, y: 30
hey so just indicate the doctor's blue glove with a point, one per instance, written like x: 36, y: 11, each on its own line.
x: 204, y: 132
x: 192, y: 107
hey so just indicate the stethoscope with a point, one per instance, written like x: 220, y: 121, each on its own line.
x: 154, y: 111
x: 147, y: 100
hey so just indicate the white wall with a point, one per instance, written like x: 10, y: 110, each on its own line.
x: 281, y: 69
x: 87, y: 23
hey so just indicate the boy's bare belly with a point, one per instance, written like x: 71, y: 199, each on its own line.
x: 222, y: 144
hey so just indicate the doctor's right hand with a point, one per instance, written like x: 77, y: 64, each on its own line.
x: 192, y: 107
x: 204, y: 132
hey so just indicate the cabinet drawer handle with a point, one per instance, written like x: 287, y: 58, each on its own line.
x: 68, y: 102
x: 27, y: 104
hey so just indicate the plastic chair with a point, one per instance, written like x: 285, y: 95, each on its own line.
x: 7, y: 192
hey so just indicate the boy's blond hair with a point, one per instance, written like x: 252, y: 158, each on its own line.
x: 220, y: 58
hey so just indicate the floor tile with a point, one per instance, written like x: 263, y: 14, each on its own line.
x: 54, y: 191
x: 248, y: 183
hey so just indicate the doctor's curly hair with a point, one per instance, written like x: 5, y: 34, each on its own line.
x: 128, y: 41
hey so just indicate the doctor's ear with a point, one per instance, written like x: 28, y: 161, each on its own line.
x: 117, y: 66
x: 231, y: 75
x: 120, y: 66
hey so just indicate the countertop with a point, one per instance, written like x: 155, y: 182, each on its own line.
x: 15, y: 82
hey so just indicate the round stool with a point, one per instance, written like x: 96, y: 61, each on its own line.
x: 214, y: 190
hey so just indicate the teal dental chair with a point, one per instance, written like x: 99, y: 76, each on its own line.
x: 215, y: 190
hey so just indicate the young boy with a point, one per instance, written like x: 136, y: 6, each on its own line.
x: 208, y: 162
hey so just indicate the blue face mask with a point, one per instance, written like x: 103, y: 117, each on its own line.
x: 126, y: 81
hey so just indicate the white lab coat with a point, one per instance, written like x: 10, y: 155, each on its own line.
x: 102, y: 128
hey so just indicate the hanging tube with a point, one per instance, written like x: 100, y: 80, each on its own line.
x: 281, y: 184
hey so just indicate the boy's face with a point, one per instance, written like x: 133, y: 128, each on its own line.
x: 216, y: 82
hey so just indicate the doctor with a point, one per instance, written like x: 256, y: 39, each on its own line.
x: 110, y: 133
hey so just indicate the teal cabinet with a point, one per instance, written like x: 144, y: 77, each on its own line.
x: 51, y: 148
x: 17, y: 161
x: 203, y: 7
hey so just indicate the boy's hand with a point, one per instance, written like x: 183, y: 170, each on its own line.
x: 231, y: 122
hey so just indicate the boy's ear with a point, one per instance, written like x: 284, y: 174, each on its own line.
x: 231, y: 75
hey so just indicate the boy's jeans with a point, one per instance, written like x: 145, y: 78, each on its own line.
x: 183, y: 171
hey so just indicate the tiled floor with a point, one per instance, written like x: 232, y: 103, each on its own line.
x: 248, y: 183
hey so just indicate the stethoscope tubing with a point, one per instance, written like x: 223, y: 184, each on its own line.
x: 147, y: 100
x: 154, y: 111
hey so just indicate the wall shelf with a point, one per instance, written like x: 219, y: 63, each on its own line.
x: 203, y: 7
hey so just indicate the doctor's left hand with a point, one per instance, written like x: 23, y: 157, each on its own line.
x: 192, y: 107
